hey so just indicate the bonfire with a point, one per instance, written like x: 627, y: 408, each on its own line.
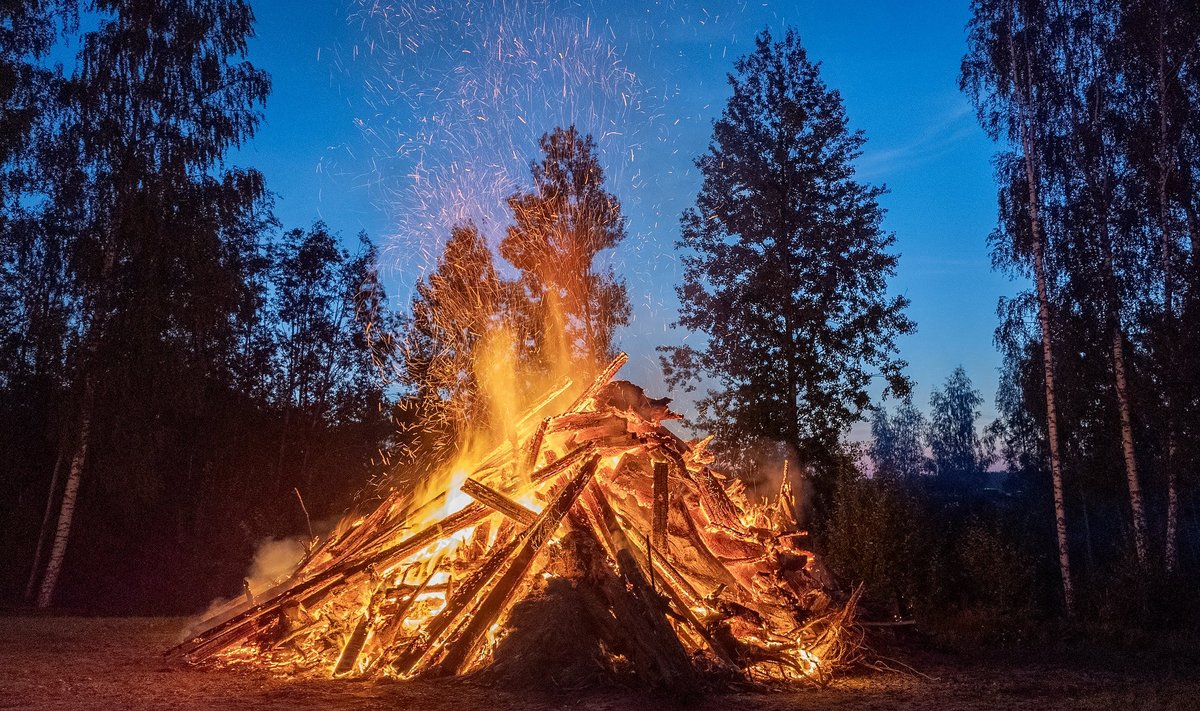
x: 592, y: 545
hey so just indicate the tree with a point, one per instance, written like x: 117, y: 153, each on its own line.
x: 35, y: 323
x: 455, y: 309
x: 1010, y: 76
x: 897, y: 449
x: 1095, y: 224
x: 959, y: 456
x: 325, y: 364
x: 787, y: 267
x: 154, y: 220
x: 570, y: 307
x: 1156, y: 42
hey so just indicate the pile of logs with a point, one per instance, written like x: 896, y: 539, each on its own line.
x: 672, y: 575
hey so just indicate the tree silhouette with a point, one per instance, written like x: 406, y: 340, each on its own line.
x: 959, y: 458
x: 787, y: 266
x: 897, y: 443
x: 455, y: 309
x: 154, y: 220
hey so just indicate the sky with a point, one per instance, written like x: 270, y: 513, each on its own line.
x: 400, y: 118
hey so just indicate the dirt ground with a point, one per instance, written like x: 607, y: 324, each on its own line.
x: 105, y: 663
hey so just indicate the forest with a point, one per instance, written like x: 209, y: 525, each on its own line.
x: 184, y: 379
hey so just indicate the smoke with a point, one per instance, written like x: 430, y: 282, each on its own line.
x: 766, y: 463
x: 274, y: 560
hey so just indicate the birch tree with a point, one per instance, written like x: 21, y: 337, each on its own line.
x: 1009, y: 75
x: 158, y: 97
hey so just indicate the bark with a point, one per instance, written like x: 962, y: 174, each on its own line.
x: 661, y: 503
x: 44, y: 530
x: 1171, y: 548
x: 1043, y: 300
x: 493, y: 499
x: 463, y: 643
x: 66, y: 510
x: 1131, y: 472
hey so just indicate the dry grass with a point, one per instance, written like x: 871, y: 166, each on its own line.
x: 98, y: 663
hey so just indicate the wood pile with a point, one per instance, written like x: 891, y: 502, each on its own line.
x: 594, y: 539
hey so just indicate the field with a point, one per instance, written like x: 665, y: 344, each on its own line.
x: 117, y: 663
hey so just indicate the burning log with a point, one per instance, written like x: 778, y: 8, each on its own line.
x: 661, y: 501
x: 491, y: 498
x: 462, y: 644
x: 666, y: 567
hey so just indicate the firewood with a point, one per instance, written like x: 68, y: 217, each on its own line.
x: 413, y: 658
x: 227, y: 633
x: 667, y: 561
x: 600, y: 381
x: 391, y: 623
x: 349, y: 655
x: 659, y: 657
x: 462, y: 645
x: 491, y: 498
x: 658, y: 538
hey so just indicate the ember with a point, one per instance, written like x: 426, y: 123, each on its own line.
x: 594, y: 539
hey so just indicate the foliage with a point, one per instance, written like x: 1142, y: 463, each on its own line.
x: 958, y: 454
x: 168, y: 349
x: 568, y: 309
x: 896, y: 447
x: 878, y: 533
x: 786, y: 268
x: 454, y: 310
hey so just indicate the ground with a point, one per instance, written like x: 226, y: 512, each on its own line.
x: 107, y: 663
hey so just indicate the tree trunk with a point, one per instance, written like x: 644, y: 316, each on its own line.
x: 1171, y: 548
x: 1043, y: 300
x: 1131, y: 472
x: 66, y: 511
x: 1060, y: 511
x: 35, y: 569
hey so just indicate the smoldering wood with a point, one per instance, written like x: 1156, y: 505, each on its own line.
x: 661, y: 502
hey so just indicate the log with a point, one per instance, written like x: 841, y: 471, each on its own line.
x: 354, y: 645
x: 412, y: 659
x: 658, y: 655
x: 493, y: 499
x: 534, y: 448
x: 465, y: 641
x: 601, y: 380
x: 658, y: 538
x: 385, y: 634
x: 229, y: 632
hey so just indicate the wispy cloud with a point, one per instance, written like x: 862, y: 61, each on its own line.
x: 937, y: 135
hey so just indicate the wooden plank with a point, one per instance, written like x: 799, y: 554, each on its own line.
x: 410, y: 661
x: 659, y: 656
x: 658, y: 537
x: 491, y: 498
x: 461, y: 646
x: 601, y: 380
x: 234, y: 629
x: 353, y: 647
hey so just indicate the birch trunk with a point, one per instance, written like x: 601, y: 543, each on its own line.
x: 1171, y: 548
x: 1131, y: 472
x: 47, y: 516
x: 66, y: 511
x: 1043, y: 300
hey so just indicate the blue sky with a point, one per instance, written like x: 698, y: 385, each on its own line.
x: 399, y: 118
